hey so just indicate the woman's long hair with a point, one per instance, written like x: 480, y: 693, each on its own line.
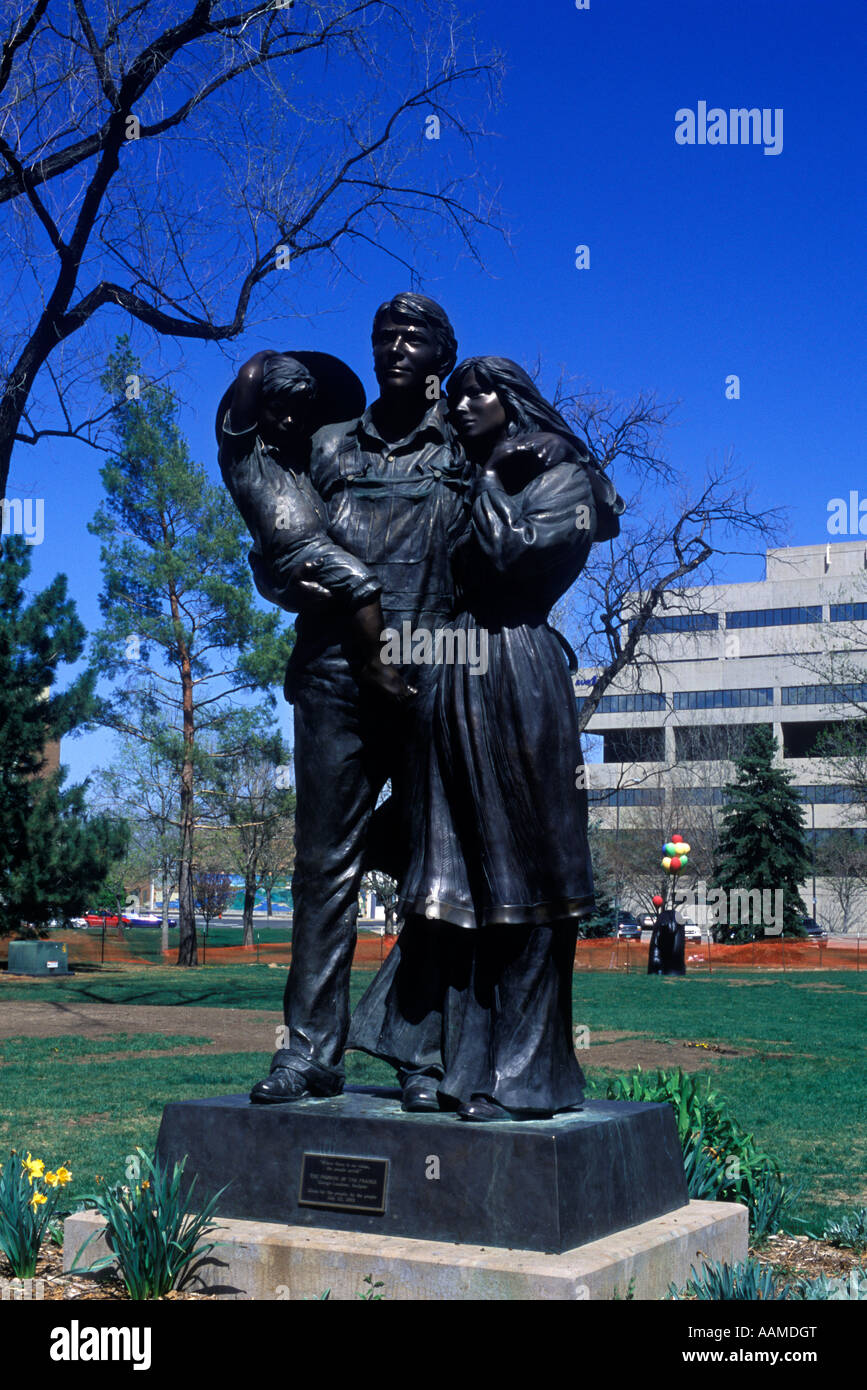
x: 527, y: 412
x: 526, y: 409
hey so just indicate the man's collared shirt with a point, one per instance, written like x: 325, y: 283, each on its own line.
x: 398, y: 506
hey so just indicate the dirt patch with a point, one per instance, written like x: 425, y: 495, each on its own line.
x: 619, y: 1051
x: 805, y: 1258
x: 51, y: 1285
x: 226, y: 1030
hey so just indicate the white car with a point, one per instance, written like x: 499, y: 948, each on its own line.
x: 691, y: 932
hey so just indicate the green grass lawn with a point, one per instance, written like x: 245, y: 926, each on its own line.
x: 808, y: 1106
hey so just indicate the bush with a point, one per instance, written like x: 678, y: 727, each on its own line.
x: 747, y: 1282
x: 151, y: 1230
x: 721, y: 1160
x: 851, y: 1287
x: 850, y: 1233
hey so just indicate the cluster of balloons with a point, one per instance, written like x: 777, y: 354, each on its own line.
x: 675, y: 854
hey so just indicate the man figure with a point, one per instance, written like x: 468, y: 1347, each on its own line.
x: 394, y: 486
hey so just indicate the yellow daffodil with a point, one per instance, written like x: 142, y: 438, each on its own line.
x: 63, y: 1175
x: 51, y: 1179
x: 34, y: 1168
x: 37, y: 1200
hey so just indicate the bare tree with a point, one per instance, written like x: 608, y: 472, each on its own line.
x: 142, y: 785
x: 630, y: 581
x: 174, y: 159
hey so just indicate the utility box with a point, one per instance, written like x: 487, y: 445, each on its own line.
x: 38, y: 958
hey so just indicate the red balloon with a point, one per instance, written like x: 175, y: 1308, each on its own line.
x: 657, y: 900
x: 675, y: 863
x: 676, y: 837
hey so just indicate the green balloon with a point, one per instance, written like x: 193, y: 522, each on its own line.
x: 684, y: 860
x: 669, y: 848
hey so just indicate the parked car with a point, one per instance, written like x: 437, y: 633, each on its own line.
x: 628, y: 928
x: 94, y: 919
x: 814, y: 930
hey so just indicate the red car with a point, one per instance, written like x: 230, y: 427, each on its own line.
x: 94, y: 919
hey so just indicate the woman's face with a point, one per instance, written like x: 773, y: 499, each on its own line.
x: 477, y: 411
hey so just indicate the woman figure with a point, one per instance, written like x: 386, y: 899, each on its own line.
x: 473, y: 1005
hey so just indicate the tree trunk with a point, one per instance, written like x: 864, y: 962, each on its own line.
x: 164, y: 929
x: 187, y: 946
x: 249, y: 904
x: 268, y: 891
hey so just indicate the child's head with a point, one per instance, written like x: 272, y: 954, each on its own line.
x: 288, y: 393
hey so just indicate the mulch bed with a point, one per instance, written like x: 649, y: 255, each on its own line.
x: 105, y: 1287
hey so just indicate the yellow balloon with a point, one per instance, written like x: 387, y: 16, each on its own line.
x: 666, y: 863
x: 684, y: 849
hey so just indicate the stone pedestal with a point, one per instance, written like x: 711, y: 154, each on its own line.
x: 358, y: 1163
x: 261, y: 1260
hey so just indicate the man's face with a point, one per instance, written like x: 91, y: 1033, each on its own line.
x: 404, y: 356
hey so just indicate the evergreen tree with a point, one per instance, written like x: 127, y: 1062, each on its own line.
x: 763, y: 843
x: 53, y: 855
x: 604, y: 919
x: 177, y: 601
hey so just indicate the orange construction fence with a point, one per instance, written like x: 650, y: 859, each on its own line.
x: 607, y: 953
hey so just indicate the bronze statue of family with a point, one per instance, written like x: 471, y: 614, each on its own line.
x: 458, y: 503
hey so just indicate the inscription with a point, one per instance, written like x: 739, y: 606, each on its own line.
x: 343, y: 1182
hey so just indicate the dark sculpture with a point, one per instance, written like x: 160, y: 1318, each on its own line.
x: 461, y: 528
x: 666, y: 955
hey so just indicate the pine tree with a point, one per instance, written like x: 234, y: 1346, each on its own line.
x: 53, y: 855
x: 177, y: 601
x: 763, y: 844
x: 604, y: 919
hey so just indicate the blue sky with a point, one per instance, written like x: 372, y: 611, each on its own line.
x: 705, y: 261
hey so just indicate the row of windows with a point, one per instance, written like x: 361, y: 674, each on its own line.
x: 774, y: 617
x: 822, y: 694
x: 684, y: 622
x: 826, y: 796
x: 847, y: 612
x: 715, y: 796
x: 755, y: 697
x: 754, y: 617
x: 630, y: 704
x: 626, y: 796
x: 723, y: 699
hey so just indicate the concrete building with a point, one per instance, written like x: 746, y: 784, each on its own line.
x: 719, y: 660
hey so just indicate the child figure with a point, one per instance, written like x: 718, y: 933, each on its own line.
x: 264, y: 426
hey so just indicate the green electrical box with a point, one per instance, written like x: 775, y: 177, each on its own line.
x: 38, y: 958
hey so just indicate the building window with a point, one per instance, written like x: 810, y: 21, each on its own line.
x: 827, y: 795
x: 774, y: 617
x: 723, y: 699
x: 712, y: 743
x: 630, y: 704
x: 626, y: 796
x: 699, y: 796
x: 848, y: 612
x: 823, y: 694
x: 681, y: 622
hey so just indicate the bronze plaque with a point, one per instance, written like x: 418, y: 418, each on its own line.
x: 343, y: 1182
